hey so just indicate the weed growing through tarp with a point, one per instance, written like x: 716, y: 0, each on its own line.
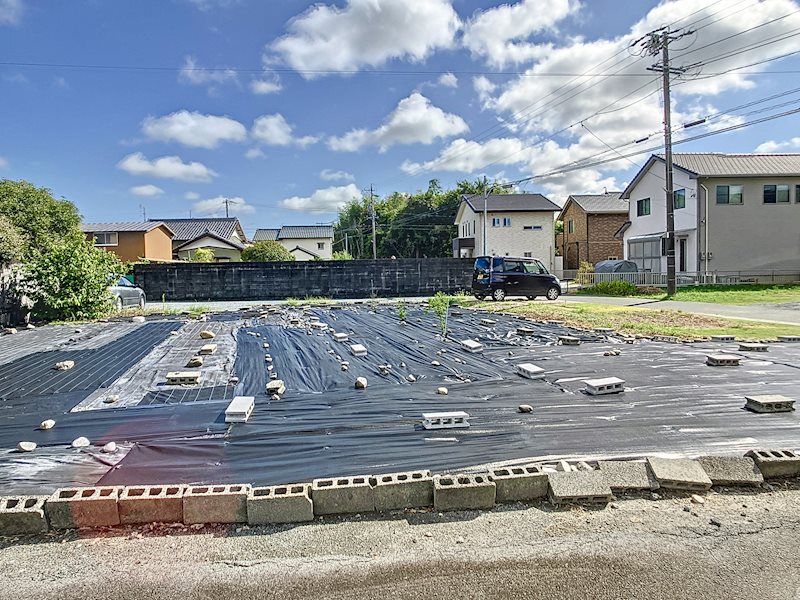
x: 439, y: 304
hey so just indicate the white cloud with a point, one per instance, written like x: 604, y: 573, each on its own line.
x: 60, y: 82
x: 448, y: 80
x: 3, y: 162
x: 215, y: 207
x: 206, y: 5
x: 194, y: 129
x: 773, y: 146
x: 468, y: 156
x: 484, y: 88
x: 326, y: 200
x: 331, y: 175
x: 191, y: 195
x: 415, y: 120
x: 365, y: 33
x: 146, y: 191
x: 273, y: 130
x: 254, y: 153
x: 193, y: 74
x: 262, y: 87
x: 166, y: 167
x: 11, y: 12
x: 500, y: 35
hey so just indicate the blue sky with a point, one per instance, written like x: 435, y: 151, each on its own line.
x: 291, y: 108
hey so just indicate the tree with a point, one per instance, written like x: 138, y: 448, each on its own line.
x: 203, y: 255
x: 341, y: 255
x: 69, y: 280
x: 12, y: 244
x: 37, y: 215
x: 266, y: 251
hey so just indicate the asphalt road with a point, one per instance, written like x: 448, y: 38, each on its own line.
x: 643, y: 548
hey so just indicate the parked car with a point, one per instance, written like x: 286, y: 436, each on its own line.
x: 501, y: 276
x: 126, y: 294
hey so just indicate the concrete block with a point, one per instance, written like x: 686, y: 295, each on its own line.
x: 723, y: 360
x: 752, y: 347
x: 70, y: 508
x: 240, y: 409
x: 341, y: 337
x: 731, y: 470
x: 463, y: 492
x: 445, y: 420
x: 774, y: 464
x: 515, y: 484
x: 769, y: 403
x: 669, y: 339
x: 396, y: 491
x: 525, y: 331
x: 472, y: 346
x: 183, y: 378
x: 679, y: 474
x: 280, y: 504
x: 358, y: 350
x: 723, y: 338
x: 151, y: 504
x: 606, y: 385
x: 208, y: 349
x: 627, y: 475
x: 789, y: 338
x: 603, y: 330
x: 20, y: 515
x: 578, y: 487
x: 276, y: 386
x: 342, y: 495
x: 215, y: 504
x: 568, y: 340
x: 530, y: 371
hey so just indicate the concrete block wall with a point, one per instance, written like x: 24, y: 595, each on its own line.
x: 281, y: 280
x: 215, y: 504
x: 71, y: 508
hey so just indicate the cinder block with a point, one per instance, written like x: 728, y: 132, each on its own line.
x: 358, y: 350
x: 463, y: 492
x: 605, y: 385
x: 723, y: 360
x: 151, y: 504
x: 530, y: 371
x: 769, y: 403
x: 240, y: 409
x: 627, y: 475
x: 208, y: 349
x: 731, y: 470
x: 578, y: 487
x: 776, y: 463
x: 342, y: 495
x: 568, y: 340
x: 183, y: 377
x: 679, y: 474
x: 341, y: 337
x: 603, y: 330
x: 525, y: 331
x: 280, y: 504
x: 752, y: 347
x: 472, y: 346
x: 723, y: 338
x: 215, y: 504
x: 515, y: 484
x: 396, y: 491
x: 20, y: 515
x: 70, y: 508
x: 487, y: 322
x: 789, y: 338
x: 445, y: 420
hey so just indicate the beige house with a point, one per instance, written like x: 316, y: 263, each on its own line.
x: 733, y: 213
x: 516, y: 225
x: 223, y: 236
x: 304, y: 242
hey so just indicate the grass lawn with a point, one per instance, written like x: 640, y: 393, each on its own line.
x: 734, y: 294
x: 645, y: 321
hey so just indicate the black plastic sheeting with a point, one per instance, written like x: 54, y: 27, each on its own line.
x: 323, y: 427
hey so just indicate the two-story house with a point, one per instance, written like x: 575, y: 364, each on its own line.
x: 590, y: 222
x: 506, y: 225
x: 304, y: 242
x: 131, y: 242
x: 733, y: 212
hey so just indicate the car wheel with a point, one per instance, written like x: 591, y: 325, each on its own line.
x: 118, y: 303
x: 499, y: 294
x: 553, y: 293
x: 141, y: 302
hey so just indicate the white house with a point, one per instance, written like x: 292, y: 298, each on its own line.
x: 224, y: 236
x: 733, y: 212
x: 516, y: 225
x: 304, y: 242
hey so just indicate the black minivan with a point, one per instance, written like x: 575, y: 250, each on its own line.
x: 501, y: 276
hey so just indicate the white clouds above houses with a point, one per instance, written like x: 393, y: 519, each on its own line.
x: 166, y: 167
x: 331, y: 175
x: 215, y: 207
x: 194, y: 129
x: 146, y: 191
x: 773, y: 146
x: 192, y: 73
x: 274, y: 130
x: 263, y: 87
x: 326, y: 200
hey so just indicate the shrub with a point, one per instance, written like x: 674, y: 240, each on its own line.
x: 266, y: 251
x: 341, y: 255
x: 402, y: 312
x: 584, y: 269
x: 611, y: 288
x: 202, y: 255
x: 69, y: 280
x: 439, y: 304
x: 12, y: 244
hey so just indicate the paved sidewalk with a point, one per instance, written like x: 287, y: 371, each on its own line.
x: 754, y: 312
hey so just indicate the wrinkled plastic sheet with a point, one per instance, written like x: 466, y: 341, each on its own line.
x: 323, y: 427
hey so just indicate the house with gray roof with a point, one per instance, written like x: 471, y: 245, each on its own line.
x: 590, y: 222
x: 506, y: 225
x: 733, y: 213
x: 304, y: 242
x: 223, y: 236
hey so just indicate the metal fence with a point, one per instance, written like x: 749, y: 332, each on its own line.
x: 646, y: 279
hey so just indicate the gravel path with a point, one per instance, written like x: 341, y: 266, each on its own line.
x: 638, y: 548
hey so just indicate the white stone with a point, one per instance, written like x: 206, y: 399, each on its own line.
x: 207, y: 335
x: 110, y: 448
x: 525, y: 408
x: 80, y: 442
x: 435, y: 363
x: 26, y: 446
x: 10, y: 330
x: 195, y: 361
x: 276, y: 386
x: 275, y: 397
x: 442, y: 391
x: 361, y: 383
x: 30, y: 326
x: 47, y: 424
x: 411, y: 378
x: 208, y: 349
x: 697, y: 499
x: 64, y: 365
x: 110, y: 399
x: 173, y: 333
x: 137, y: 319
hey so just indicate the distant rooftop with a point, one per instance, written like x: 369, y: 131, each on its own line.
x: 189, y: 229
x: 609, y: 202
x: 716, y: 164
x: 142, y: 226
x: 294, y: 232
x: 511, y: 203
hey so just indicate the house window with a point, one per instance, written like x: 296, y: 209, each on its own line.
x: 570, y: 226
x: 320, y: 245
x: 495, y: 221
x: 473, y: 227
x: 646, y: 254
x: 643, y: 207
x: 730, y: 194
x: 797, y: 193
x: 776, y: 194
x: 679, y: 199
x: 506, y: 221
x: 532, y: 227
x: 528, y: 254
x: 106, y: 239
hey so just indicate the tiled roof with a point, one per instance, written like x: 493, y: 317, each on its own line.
x: 231, y: 242
x: 715, y: 164
x: 511, y: 203
x: 601, y: 203
x: 294, y: 232
x: 144, y: 226
x: 189, y: 229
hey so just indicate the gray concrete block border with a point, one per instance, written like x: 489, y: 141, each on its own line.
x: 280, y: 504
x: 340, y: 495
x: 20, y: 515
x: 519, y: 484
x: 151, y: 504
x: 215, y: 504
x: 397, y: 491
x: 463, y: 491
x: 75, y: 507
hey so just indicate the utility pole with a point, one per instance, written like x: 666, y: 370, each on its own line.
x: 372, y: 209
x: 227, y: 202
x: 659, y: 42
x: 144, y: 212
x: 485, y: 211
